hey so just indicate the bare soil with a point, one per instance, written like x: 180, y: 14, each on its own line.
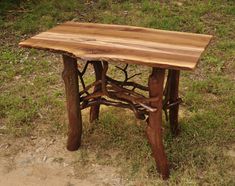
x: 45, y: 161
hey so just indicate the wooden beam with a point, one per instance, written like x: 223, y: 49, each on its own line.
x: 70, y: 76
x: 94, y: 111
x: 154, y: 128
x: 174, y: 96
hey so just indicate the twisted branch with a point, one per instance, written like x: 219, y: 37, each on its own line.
x: 124, y: 70
x: 116, y: 90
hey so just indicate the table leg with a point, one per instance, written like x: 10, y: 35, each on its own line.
x: 94, y: 111
x: 174, y: 95
x: 154, y: 128
x: 70, y: 76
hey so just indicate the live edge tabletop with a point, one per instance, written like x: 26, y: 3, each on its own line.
x: 98, y: 44
x: 129, y: 44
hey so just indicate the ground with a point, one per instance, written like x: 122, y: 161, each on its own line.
x: 45, y: 161
x: 114, y: 151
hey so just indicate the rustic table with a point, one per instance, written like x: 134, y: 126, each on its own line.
x: 99, y: 44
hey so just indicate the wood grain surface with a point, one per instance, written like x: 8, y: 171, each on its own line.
x: 126, y: 44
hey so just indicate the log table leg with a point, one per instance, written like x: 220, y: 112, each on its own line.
x: 94, y: 111
x: 174, y: 110
x: 154, y: 128
x: 70, y: 76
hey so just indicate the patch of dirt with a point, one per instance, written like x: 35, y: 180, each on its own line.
x: 45, y: 161
x: 231, y: 151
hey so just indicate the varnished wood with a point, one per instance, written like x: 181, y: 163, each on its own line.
x: 127, y: 44
x: 174, y: 96
x: 94, y: 111
x: 70, y: 76
x: 104, y: 43
x: 154, y: 128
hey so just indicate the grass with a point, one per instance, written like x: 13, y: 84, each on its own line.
x: 32, y: 94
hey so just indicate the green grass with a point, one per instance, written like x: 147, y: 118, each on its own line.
x: 32, y: 93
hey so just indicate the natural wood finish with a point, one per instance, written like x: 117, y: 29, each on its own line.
x: 101, y: 43
x: 126, y: 44
x: 70, y: 76
x: 94, y: 111
x: 154, y: 128
x: 174, y: 96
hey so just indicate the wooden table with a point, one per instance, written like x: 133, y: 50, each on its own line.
x: 99, y: 44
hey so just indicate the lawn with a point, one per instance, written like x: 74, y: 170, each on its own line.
x: 32, y: 100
